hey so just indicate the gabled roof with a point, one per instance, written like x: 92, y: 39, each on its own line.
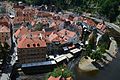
x: 90, y: 22
x: 18, y: 6
x: 4, y: 29
x: 36, y: 34
x: 44, y: 14
x: 29, y: 42
x: 66, y: 33
x: 30, y: 39
x: 101, y: 27
x: 21, y: 31
x: 62, y: 36
x: 52, y: 36
x: 4, y: 21
x: 20, y: 19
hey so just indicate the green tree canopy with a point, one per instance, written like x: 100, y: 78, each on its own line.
x: 4, y: 50
x: 38, y: 27
x: 106, y: 8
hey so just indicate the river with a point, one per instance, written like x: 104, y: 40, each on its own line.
x: 109, y: 72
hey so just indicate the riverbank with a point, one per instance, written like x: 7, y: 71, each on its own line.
x: 110, y: 25
x: 90, y: 64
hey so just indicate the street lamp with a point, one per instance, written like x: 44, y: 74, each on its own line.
x: 62, y: 72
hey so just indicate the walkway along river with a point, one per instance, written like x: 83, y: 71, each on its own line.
x: 109, y: 72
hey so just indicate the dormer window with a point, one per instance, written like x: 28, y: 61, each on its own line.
x: 28, y: 45
x: 34, y: 45
x: 38, y: 44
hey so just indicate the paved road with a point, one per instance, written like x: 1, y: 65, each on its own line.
x: 5, y: 76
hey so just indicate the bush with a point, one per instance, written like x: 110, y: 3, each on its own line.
x: 38, y: 27
x: 58, y: 72
x: 98, y: 53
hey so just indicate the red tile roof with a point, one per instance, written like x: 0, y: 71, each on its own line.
x: 21, y: 31
x: 30, y: 11
x: 66, y: 33
x: 33, y: 23
x: 17, y: 6
x: 52, y: 36
x: 19, y: 12
x: 62, y: 36
x: 53, y: 78
x: 4, y: 21
x: 21, y: 19
x: 89, y: 22
x: 101, y: 27
x: 29, y: 39
x: 4, y: 29
x: 29, y: 42
x: 44, y: 14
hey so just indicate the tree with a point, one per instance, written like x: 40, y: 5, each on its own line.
x: 92, y: 39
x: 105, y: 40
x: 98, y: 53
x: 4, y: 50
x: 118, y: 20
x: 4, y: 53
x: 31, y: 2
x: 58, y: 72
x: 1, y: 50
x: 2, y: 10
x: 38, y: 27
x: 110, y: 8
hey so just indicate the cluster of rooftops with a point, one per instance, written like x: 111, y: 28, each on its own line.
x: 56, y: 27
x: 34, y: 28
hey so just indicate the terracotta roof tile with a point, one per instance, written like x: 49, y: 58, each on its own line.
x: 21, y: 31
x: 17, y: 6
x: 27, y: 42
x: 4, y: 29
x: 21, y: 19
x: 101, y: 27
x: 62, y: 36
x: 89, y: 22
x: 67, y: 33
x: 44, y: 14
x: 53, y: 78
x: 52, y: 36
x: 4, y: 21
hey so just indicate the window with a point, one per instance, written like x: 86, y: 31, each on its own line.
x: 34, y: 45
x: 28, y: 45
x: 38, y: 44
